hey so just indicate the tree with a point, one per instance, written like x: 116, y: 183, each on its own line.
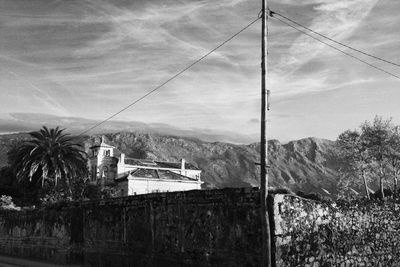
x: 51, y: 157
x: 354, y: 156
x: 376, y: 138
x: 372, y: 152
x: 8, y: 182
x: 393, y: 156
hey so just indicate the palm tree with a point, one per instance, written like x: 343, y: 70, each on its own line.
x: 51, y: 155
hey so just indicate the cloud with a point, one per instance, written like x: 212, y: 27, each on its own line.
x: 337, y: 19
x: 91, y: 58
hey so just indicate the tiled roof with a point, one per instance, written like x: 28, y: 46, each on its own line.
x: 140, y: 162
x: 159, y: 164
x: 145, y: 173
x: 156, y: 174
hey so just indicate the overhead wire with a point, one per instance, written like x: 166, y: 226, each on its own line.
x: 335, y: 48
x: 170, y: 79
x: 272, y: 13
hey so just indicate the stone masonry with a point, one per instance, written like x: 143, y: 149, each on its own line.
x: 205, y: 228
x: 359, y: 233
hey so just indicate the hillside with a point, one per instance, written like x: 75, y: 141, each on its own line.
x: 299, y: 165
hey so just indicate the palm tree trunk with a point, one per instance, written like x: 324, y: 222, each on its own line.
x: 381, y: 187
x: 69, y: 186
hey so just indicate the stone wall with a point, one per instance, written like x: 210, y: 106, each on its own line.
x: 193, y: 228
x: 311, y: 233
x: 38, y: 234
x: 205, y: 228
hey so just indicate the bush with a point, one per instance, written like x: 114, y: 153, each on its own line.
x: 6, y: 203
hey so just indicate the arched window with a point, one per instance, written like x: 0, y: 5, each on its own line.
x: 94, y: 172
x: 105, y: 171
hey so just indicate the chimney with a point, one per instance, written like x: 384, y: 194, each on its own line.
x: 122, y: 158
x: 182, y: 166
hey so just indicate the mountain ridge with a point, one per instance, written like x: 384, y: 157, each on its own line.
x: 25, y: 122
x: 299, y: 165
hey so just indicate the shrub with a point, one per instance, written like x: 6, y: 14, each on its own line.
x: 6, y: 203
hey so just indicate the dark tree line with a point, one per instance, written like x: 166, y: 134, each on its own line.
x: 370, y: 156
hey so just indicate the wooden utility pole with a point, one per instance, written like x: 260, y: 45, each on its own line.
x: 265, y: 229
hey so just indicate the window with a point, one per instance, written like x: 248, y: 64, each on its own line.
x: 94, y: 173
x: 105, y: 171
x: 106, y: 152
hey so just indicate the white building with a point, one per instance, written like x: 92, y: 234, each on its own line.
x: 102, y: 163
x: 108, y: 166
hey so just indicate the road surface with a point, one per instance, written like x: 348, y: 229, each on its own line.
x: 6, y: 261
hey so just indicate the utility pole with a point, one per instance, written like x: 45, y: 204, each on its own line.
x: 265, y: 229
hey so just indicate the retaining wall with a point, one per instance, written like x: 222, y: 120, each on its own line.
x: 205, y: 228
x: 192, y: 228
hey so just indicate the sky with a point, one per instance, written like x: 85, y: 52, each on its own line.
x: 90, y: 58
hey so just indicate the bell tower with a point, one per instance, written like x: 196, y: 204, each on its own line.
x: 101, y: 162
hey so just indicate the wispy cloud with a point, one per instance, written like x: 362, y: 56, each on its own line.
x: 92, y: 57
x: 39, y: 95
x: 338, y: 20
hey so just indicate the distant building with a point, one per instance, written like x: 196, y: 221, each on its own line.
x: 103, y: 165
x: 108, y: 166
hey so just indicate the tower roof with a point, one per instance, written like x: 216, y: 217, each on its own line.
x: 102, y: 143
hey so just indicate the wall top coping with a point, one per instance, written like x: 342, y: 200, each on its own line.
x: 238, y: 195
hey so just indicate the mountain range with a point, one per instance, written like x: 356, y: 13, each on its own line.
x: 25, y: 122
x: 301, y: 165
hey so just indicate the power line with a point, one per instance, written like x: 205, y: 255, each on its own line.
x: 333, y: 40
x: 333, y: 47
x: 171, y: 78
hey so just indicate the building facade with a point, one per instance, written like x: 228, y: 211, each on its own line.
x: 108, y: 166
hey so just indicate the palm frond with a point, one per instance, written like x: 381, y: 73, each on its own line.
x: 54, y: 153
